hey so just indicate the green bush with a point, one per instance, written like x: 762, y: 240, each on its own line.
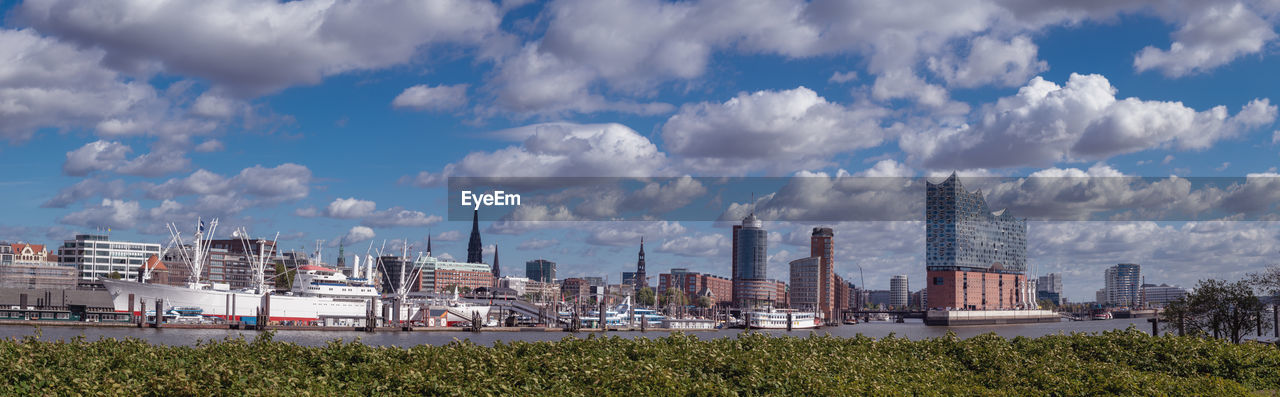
x: 1125, y: 362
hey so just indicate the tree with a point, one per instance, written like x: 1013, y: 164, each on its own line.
x: 1047, y: 304
x: 705, y: 302
x: 644, y: 297
x: 115, y: 275
x: 284, y: 277
x: 1217, y: 308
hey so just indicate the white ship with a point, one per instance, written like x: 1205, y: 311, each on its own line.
x: 777, y: 319
x: 318, y: 295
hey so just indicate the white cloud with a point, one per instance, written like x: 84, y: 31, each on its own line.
x: 559, y: 150
x: 396, y: 216
x: 1209, y: 38
x: 209, y: 146
x: 423, y: 97
x: 94, y: 156
x: 347, y: 208
x: 86, y: 188
x: 843, y: 77
x: 777, y: 130
x: 537, y: 244
x: 237, y: 43
x: 357, y: 234
x: 991, y: 61
x: 1082, y: 120
x: 699, y: 245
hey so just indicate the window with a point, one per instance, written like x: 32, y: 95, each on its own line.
x: 937, y: 281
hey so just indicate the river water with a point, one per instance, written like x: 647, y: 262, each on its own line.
x: 913, y: 329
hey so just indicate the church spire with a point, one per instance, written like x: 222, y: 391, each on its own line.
x: 428, y: 243
x: 641, y: 281
x: 497, y: 271
x: 475, y: 247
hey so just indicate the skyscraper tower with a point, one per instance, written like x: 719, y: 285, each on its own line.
x: 820, y: 246
x: 474, y: 247
x: 751, y: 285
x: 642, y: 281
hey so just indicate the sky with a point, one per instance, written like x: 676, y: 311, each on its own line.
x: 343, y: 120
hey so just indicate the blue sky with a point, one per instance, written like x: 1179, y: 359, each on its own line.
x: 130, y: 115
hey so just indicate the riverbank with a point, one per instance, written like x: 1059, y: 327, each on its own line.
x: 1115, y: 362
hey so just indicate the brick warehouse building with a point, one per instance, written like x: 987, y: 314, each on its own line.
x: 975, y: 258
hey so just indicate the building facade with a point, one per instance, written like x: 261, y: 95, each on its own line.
x: 1051, y: 282
x: 540, y: 270
x: 1161, y: 295
x: 31, y: 266
x: 96, y: 256
x: 975, y: 258
x: 899, y: 291
x: 751, y: 287
x: 229, y: 263
x: 821, y: 246
x: 805, y: 285
x: 1124, y: 285
x: 696, y: 285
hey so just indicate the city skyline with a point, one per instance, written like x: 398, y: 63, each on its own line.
x: 133, y: 116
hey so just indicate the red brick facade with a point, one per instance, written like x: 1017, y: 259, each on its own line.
x: 974, y: 289
x: 462, y: 278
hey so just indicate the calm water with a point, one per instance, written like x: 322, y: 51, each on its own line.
x: 913, y: 329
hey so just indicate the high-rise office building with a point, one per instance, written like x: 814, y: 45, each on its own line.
x: 805, y: 285
x: 97, y: 256
x: 820, y: 246
x: 1161, y: 295
x: 540, y: 270
x: 751, y: 287
x: 899, y: 291
x: 1123, y: 285
x: 975, y: 258
x: 1051, y: 282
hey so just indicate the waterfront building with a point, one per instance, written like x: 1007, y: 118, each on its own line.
x: 752, y: 289
x: 475, y: 249
x: 6, y: 254
x: 640, y: 280
x: 96, y: 256
x: 517, y: 284
x: 431, y: 274
x: 1051, y: 282
x: 841, y: 297
x: 31, y: 266
x: 1054, y: 297
x: 541, y: 270
x: 919, y: 298
x: 805, y: 284
x: 542, y: 292
x: 975, y: 258
x: 1100, y: 297
x: 695, y: 285
x: 1161, y: 295
x: 1123, y: 285
x: 595, y: 281
x: 821, y: 246
x: 159, y: 272
x: 629, y: 278
x: 899, y: 292
x: 878, y: 298
x: 230, y: 264
x: 575, y: 289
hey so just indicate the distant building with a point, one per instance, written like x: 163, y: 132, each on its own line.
x: 975, y: 258
x: 1161, y: 295
x: 431, y: 274
x: 540, y: 270
x: 629, y: 278
x: 899, y: 291
x: 229, y: 263
x: 575, y: 289
x: 154, y: 271
x: 920, y: 298
x: 696, y: 285
x: 805, y: 284
x: 517, y: 284
x: 1123, y: 285
x: 751, y: 287
x: 841, y: 296
x: 1051, y: 282
x: 31, y: 266
x: 1054, y: 297
x: 595, y: 281
x: 821, y: 246
x: 96, y: 256
x: 1100, y: 297
x: 878, y: 298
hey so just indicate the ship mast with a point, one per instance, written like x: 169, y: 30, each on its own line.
x: 199, y: 250
x: 257, y: 261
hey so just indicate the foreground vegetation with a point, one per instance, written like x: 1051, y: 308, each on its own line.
x: 1118, y: 362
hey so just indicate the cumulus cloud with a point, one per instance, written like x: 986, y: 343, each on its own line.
x: 236, y: 43
x: 1209, y: 38
x: 209, y: 146
x: 347, y: 208
x: 357, y: 234
x: 781, y: 130
x: 700, y: 245
x: 1046, y: 123
x: 86, y: 188
x: 991, y: 61
x: 559, y: 150
x: 397, y: 216
x: 94, y: 156
x: 423, y: 97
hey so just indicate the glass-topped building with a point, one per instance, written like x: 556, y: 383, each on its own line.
x: 962, y: 233
x: 975, y: 258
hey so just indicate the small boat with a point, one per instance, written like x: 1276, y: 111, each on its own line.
x: 1101, y: 314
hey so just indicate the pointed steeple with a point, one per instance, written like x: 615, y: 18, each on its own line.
x: 641, y: 280
x: 497, y: 272
x: 428, y: 243
x: 474, y: 247
x: 342, y: 255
